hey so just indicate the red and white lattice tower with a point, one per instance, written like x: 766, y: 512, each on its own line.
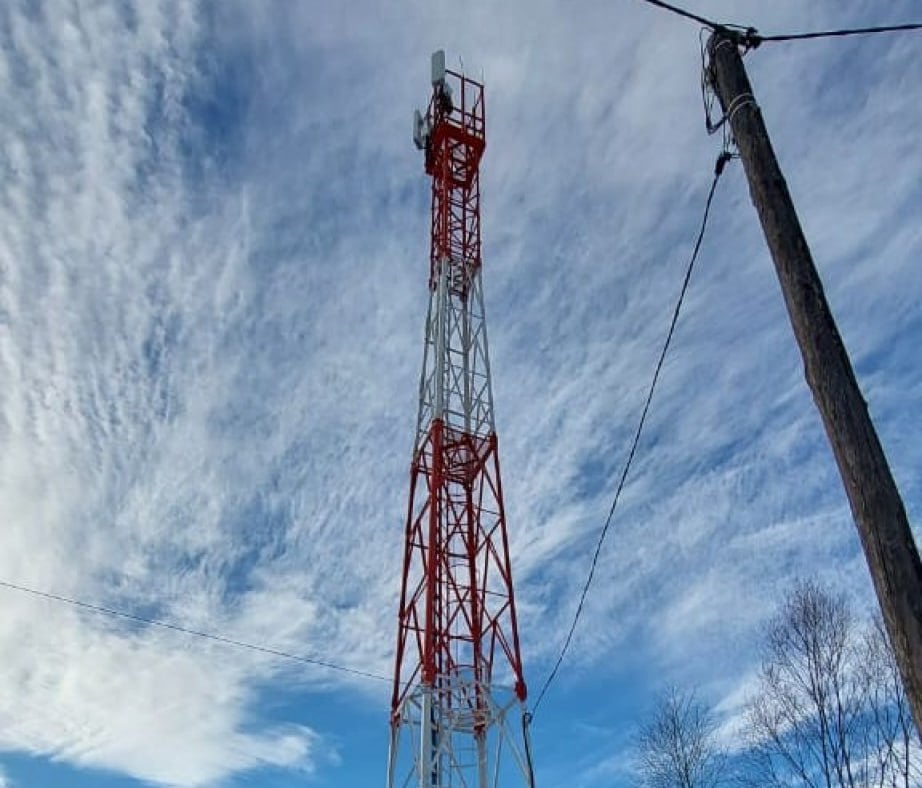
x: 458, y: 715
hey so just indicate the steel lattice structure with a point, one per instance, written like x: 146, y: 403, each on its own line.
x: 457, y: 711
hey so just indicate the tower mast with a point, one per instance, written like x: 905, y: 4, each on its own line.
x: 458, y: 704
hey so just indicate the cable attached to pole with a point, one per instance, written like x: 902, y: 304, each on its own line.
x: 719, y: 166
x: 856, y: 31
x: 526, y: 737
x: 684, y: 13
x: 751, y: 38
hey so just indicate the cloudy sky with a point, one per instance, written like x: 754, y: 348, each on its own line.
x: 213, y: 261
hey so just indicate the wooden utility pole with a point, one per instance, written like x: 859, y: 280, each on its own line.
x: 878, y: 510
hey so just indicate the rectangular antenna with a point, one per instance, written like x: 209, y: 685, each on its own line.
x: 438, y: 67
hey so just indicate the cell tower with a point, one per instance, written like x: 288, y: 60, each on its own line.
x: 458, y: 716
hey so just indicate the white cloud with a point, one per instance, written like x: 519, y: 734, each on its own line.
x: 99, y: 289
x: 124, y: 702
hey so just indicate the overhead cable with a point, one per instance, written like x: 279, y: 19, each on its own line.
x: 108, y: 611
x: 751, y: 38
x: 718, y: 170
x: 856, y: 31
x: 682, y: 12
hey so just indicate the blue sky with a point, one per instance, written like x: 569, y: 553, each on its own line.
x: 213, y: 261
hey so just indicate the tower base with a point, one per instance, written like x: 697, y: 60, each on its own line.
x: 460, y: 734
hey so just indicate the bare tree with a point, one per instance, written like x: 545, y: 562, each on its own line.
x: 890, y: 743
x: 677, y: 746
x: 829, y: 711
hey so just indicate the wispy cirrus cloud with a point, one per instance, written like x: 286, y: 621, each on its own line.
x: 107, y: 290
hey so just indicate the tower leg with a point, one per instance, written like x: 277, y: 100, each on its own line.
x: 427, y: 742
x: 392, y: 754
x: 482, y: 773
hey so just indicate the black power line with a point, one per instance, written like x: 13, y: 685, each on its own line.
x: 718, y: 170
x: 857, y: 31
x: 683, y: 13
x: 752, y: 38
x: 320, y: 663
